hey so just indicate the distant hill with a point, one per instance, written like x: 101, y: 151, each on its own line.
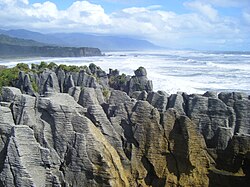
x: 4, y: 39
x: 103, y: 42
x: 79, y: 40
x: 16, y: 47
x: 29, y: 35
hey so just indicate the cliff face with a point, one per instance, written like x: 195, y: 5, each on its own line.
x: 7, y: 50
x: 113, y: 130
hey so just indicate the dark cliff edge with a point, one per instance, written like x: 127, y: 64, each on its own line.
x: 7, y: 50
x: 81, y: 126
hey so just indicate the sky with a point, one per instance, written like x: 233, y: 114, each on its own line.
x: 176, y: 24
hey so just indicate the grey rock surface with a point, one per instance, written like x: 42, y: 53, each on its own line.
x: 9, y: 93
x: 103, y: 134
x: 50, y: 143
x: 211, y: 116
x: 158, y: 99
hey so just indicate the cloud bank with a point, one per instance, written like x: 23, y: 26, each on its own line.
x: 202, y: 26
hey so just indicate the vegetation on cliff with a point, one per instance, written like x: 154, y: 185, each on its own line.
x: 9, y: 75
x: 16, y: 47
x: 4, y: 39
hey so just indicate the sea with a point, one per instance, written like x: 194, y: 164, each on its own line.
x: 172, y: 70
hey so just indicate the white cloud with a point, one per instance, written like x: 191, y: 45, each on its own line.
x: 203, y: 8
x: 46, y: 11
x: 246, y: 16
x: 13, y: 2
x: 87, y: 13
x: 79, y: 15
x: 202, y: 25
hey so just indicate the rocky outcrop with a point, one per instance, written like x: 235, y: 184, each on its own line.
x: 103, y: 134
x: 139, y: 82
x: 62, y: 78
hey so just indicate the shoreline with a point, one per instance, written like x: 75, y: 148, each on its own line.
x: 169, y: 72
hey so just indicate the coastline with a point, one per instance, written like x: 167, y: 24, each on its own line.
x: 172, y: 70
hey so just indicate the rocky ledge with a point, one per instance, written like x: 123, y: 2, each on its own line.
x: 90, y: 128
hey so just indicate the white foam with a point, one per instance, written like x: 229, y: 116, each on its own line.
x: 172, y: 71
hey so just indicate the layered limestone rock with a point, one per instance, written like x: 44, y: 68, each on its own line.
x: 215, y: 120
x: 113, y: 130
x: 157, y: 99
x: 55, y: 145
x: 139, y: 82
x: 187, y: 157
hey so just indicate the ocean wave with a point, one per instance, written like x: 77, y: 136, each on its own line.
x: 172, y: 71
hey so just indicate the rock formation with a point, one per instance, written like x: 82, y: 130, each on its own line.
x: 89, y: 128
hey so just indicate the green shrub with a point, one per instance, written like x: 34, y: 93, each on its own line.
x: 83, y: 67
x: 42, y: 65
x: 34, y: 67
x: 120, y: 79
x: 52, y: 65
x: 106, y: 92
x: 34, y: 86
x: 23, y: 67
x: 7, y: 76
x: 92, y: 66
x: 64, y: 67
x: 71, y: 68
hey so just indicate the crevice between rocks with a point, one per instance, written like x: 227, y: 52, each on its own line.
x: 13, y: 175
x: 173, y: 156
x: 152, y: 179
x: 47, y: 118
x: 3, y: 153
x: 176, y: 162
x: 12, y: 112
